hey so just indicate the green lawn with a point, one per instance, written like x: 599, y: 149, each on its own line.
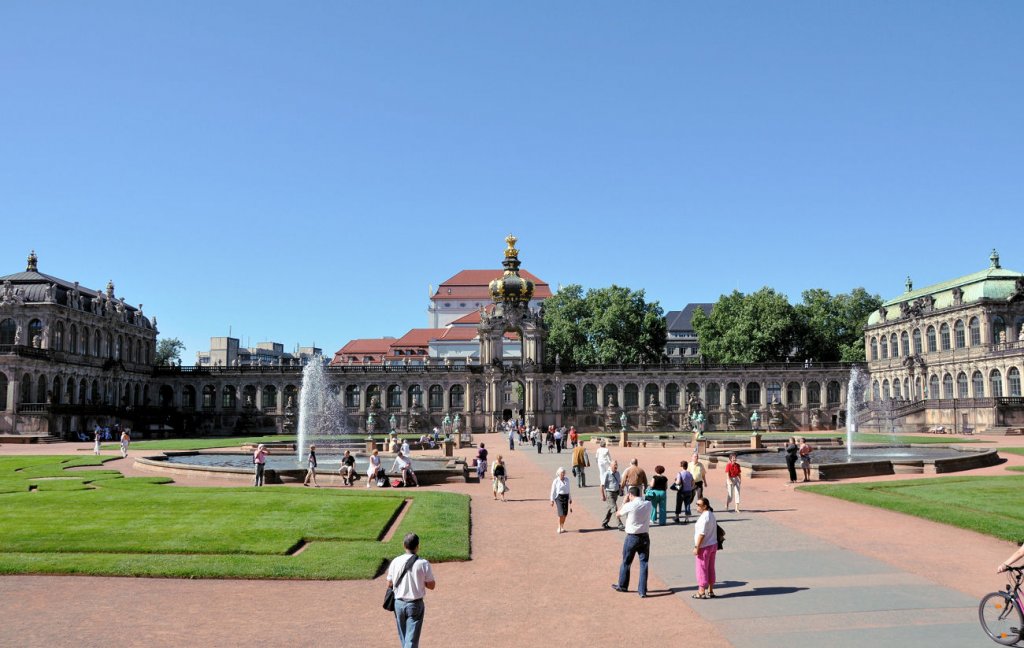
x: 201, y: 443
x: 54, y: 520
x: 990, y: 505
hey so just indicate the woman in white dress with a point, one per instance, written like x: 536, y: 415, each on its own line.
x: 371, y: 470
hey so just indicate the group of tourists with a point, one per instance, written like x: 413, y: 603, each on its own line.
x: 104, y: 434
x: 798, y: 449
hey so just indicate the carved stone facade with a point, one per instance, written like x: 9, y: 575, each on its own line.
x: 949, y: 355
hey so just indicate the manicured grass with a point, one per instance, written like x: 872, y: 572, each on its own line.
x: 99, y: 522
x: 990, y: 505
x: 1017, y: 451
x: 201, y: 443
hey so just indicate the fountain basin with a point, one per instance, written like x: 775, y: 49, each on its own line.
x: 867, y: 461
x: 284, y: 468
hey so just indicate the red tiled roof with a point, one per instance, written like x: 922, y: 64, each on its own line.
x: 458, y: 334
x: 374, y: 347
x: 472, y: 284
x: 472, y: 318
x: 417, y: 338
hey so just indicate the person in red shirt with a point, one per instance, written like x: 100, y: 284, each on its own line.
x: 732, y: 483
x: 574, y: 437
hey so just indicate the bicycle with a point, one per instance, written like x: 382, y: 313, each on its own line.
x: 1002, y: 613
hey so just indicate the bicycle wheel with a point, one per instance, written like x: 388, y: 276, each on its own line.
x: 1001, y: 618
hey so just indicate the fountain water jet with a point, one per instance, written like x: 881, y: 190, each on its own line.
x: 854, y: 397
x: 320, y: 412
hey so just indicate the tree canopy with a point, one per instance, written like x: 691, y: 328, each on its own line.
x: 764, y: 327
x: 603, y: 326
x: 168, y: 350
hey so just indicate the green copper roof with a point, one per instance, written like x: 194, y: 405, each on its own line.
x: 993, y: 282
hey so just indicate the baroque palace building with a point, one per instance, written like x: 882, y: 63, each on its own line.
x: 949, y: 355
x: 71, y: 358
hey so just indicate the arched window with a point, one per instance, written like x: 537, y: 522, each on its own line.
x: 917, y: 341
x: 138, y: 395
x: 55, y: 389
x: 917, y: 388
x: 651, y: 391
x: 995, y: 382
x: 894, y: 345
x: 458, y: 396
x: 352, y: 395
x: 958, y: 334
x: 885, y: 389
x: 415, y: 395
x: 961, y: 386
x: 933, y: 386
x: 119, y: 350
x: 998, y: 330
x: 897, y: 390
x: 611, y: 395
x: 26, y: 389
x: 209, y: 396
x: 931, y: 339
x: 435, y: 397
x: 885, y: 347
x: 753, y: 393
x: 8, y: 330
x: 188, y: 397
x: 42, y: 386
x: 774, y: 393
x: 1013, y: 379
x: 269, y: 397
x: 904, y: 344
x: 793, y: 393
x: 69, y: 391
x: 713, y: 395
x: 73, y: 340
x: 85, y: 341
x: 83, y: 393
x: 590, y: 396
x: 944, y: 337
x: 35, y: 330
x: 732, y: 393
x: 394, y: 397
x: 813, y: 394
x: 874, y: 348
x: 110, y: 345
x: 632, y: 396
x: 97, y: 344
x: 97, y: 397
x: 947, y: 386
x: 975, y: 331
x: 373, y: 395
x: 832, y: 392
x: 672, y: 395
x: 569, y: 396
x: 57, y: 337
x: 978, y: 384
x: 131, y: 350
x: 875, y: 394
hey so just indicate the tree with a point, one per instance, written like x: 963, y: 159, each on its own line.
x: 759, y: 327
x: 832, y: 327
x: 604, y: 326
x: 168, y: 350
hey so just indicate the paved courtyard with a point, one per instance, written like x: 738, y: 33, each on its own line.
x: 798, y: 570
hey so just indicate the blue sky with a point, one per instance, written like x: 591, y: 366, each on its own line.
x: 304, y: 171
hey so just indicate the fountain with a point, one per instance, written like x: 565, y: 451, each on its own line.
x: 854, y: 397
x: 320, y: 412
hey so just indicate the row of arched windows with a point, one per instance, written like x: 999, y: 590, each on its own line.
x: 81, y: 341
x: 73, y: 390
x: 629, y: 397
x: 974, y: 387
x: 943, y: 338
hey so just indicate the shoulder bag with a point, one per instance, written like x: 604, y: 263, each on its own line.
x: 389, y: 594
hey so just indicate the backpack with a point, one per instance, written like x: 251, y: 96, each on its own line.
x: 720, y: 532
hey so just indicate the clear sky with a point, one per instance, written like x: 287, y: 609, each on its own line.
x: 303, y: 171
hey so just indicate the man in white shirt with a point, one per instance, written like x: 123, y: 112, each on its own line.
x: 409, y: 591
x: 636, y: 517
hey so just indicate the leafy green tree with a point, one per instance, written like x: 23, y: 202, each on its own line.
x: 604, y: 326
x: 759, y: 327
x: 832, y: 327
x: 168, y: 350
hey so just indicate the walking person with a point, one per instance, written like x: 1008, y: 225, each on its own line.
x: 373, y: 468
x: 705, y: 546
x: 561, y: 498
x: 481, y: 463
x: 604, y: 459
x: 700, y: 477
x: 411, y: 577
x: 499, y: 474
x: 656, y: 495
x: 635, y: 515
x: 259, y: 458
x: 558, y: 440
x: 512, y: 432
x: 97, y: 437
x: 126, y: 439
x: 684, y: 491
x: 635, y: 476
x: 791, y: 452
x: 311, y: 468
x: 580, y: 462
x: 805, y: 458
x: 732, y: 483
x: 611, y: 486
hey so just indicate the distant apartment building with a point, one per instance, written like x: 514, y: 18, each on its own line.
x: 228, y: 352
x: 682, y: 339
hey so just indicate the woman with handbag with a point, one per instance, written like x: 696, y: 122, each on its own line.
x: 656, y: 495
x: 499, y: 474
x: 705, y: 547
